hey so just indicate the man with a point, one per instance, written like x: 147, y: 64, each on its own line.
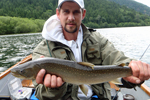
x: 67, y: 38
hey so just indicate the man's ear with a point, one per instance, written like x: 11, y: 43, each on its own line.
x: 84, y: 13
x: 57, y: 13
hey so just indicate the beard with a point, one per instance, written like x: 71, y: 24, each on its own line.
x: 71, y: 29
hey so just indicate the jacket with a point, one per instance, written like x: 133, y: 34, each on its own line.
x: 95, y: 49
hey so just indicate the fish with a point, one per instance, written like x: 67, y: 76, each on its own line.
x: 78, y: 73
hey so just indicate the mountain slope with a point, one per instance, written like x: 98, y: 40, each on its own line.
x: 100, y: 13
x: 134, y: 5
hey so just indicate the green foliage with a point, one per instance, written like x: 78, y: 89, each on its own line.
x: 38, y: 9
x: 100, y: 14
x: 103, y: 13
x: 11, y: 25
x: 134, y: 5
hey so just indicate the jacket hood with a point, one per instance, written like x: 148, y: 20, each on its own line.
x: 52, y: 31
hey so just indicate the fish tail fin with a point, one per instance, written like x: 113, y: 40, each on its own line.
x: 84, y: 89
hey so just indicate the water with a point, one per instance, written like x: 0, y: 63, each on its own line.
x: 131, y: 40
x: 15, y: 47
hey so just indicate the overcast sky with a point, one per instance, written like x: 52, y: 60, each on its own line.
x: 146, y: 2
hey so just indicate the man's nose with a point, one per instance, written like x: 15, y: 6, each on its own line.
x: 71, y: 17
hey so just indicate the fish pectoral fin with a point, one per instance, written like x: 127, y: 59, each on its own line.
x: 116, y: 81
x: 87, y: 64
x: 84, y: 89
x: 46, y: 89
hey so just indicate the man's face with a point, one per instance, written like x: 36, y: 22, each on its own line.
x: 70, y: 16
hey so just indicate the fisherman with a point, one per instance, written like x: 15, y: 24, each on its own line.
x: 66, y: 37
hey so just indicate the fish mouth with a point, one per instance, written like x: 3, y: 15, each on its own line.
x: 16, y: 74
x: 20, y: 75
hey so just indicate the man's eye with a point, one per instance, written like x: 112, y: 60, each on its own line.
x: 66, y: 11
x: 77, y: 12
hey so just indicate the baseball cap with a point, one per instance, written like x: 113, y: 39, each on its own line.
x: 79, y: 2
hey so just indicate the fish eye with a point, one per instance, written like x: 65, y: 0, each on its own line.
x: 22, y: 71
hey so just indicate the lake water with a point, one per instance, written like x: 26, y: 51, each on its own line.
x: 15, y: 47
x: 133, y: 41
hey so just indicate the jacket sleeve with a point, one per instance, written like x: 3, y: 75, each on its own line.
x: 41, y: 92
x: 40, y: 50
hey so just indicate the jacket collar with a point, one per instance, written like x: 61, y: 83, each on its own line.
x: 86, y: 32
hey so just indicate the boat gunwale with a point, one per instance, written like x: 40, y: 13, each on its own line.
x: 5, y: 73
x: 144, y: 87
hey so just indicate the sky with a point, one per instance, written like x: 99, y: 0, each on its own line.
x: 146, y: 2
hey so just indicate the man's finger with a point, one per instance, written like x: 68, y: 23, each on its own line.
x: 132, y: 79
x: 142, y: 72
x: 135, y: 68
x: 149, y: 70
x: 40, y: 76
x: 53, y: 81
x: 146, y: 73
x: 42, y: 56
x: 47, y: 80
x: 59, y: 81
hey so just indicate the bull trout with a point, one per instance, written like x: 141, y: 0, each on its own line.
x: 71, y: 72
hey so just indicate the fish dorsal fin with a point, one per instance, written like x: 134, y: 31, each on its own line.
x: 123, y: 64
x: 87, y: 64
x: 84, y: 89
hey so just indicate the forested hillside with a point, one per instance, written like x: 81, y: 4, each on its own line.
x: 134, y: 5
x: 100, y: 13
x: 103, y: 13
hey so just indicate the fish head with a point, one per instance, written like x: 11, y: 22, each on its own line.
x: 23, y: 73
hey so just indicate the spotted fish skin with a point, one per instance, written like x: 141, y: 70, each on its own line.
x: 70, y: 71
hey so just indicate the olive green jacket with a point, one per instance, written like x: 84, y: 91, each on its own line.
x: 95, y: 49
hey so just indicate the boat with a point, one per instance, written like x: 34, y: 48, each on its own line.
x: 6, y: 88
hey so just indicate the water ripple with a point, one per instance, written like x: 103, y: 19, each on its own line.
x: 15, y: 47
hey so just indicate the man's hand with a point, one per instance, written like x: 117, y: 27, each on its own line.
x: 51, y: 81
x: 140, y: 72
